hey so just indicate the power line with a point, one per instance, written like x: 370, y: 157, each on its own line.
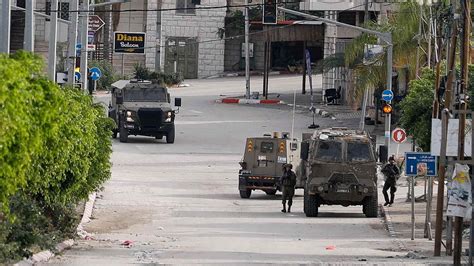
x: 233, y: 37
x: 164, y: 9
x: 177, y: 9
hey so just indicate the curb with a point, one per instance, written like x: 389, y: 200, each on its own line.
x: 317, y: 111
x: 46, y: 255
x: 86, y: 216
x: 249, y: 101
x: 391, y: 230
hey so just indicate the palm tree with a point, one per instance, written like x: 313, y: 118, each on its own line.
x: 404, y: 28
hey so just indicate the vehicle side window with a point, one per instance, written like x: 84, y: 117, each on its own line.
x: 358, y: 152
x: 329, y: 151
x: 266, y: 147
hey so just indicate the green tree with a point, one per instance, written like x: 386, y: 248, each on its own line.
x: 417, y: 109
x: 108, y: 74
x: 404, y: 27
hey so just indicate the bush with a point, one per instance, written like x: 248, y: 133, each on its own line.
x: 55, y: 150
x: 108, y: 74
x: 164, y: 79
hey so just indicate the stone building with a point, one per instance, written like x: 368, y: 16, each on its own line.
x: 184, y: 41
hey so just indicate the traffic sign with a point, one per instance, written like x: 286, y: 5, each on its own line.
x: 77, y: 76
x: 95, y: 23
x: 399, y: 135
x: 95, y: 73
x: 91, y: 47
x: 387, y: 95
x: 415, y: 159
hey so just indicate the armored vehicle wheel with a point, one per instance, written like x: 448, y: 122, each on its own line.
x: 123, y: 134
x: 170, y: 136
x: 370, y: 207
x: 245, y: 194
x: 114, y: 133
x: 311, y: 205
x: 271, y: 192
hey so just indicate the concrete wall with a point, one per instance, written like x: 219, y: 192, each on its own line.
x: 203, y: 25
x: 233, y: 53
x: 40, y: 22
x: 151, y: 35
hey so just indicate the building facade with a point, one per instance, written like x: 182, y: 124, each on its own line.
x: 183, y: 40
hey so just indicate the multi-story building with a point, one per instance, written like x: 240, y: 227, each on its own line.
x: 336, y: 38
x: 184, y: 40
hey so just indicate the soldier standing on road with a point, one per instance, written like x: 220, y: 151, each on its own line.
x: 391, y: 173
x: 288, y: 183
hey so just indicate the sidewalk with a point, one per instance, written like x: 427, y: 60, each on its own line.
x: 398, y: 222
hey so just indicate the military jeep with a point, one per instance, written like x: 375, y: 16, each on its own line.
x: 340, y: 169
x: 262, y: 164
x: 142, y: 108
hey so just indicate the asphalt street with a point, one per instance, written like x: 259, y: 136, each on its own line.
x: 179, y: 203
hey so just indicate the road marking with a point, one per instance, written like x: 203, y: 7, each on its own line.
x: 196, y: 112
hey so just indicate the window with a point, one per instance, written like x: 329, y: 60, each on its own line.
x: 348, y: 17
x: 181, y: 5
x: 329, y: 151
x: 358, y: 152
x: 145, y: 95
x: 267, y: 147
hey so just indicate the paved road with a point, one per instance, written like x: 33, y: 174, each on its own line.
x: 179, y: 203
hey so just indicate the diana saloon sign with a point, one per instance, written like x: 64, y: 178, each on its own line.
x: 129, y: 42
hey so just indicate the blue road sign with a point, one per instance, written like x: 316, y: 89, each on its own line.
x: 413, y: 159
x: 78, y: 46
x: 387, y: 95
x: 77, y: 76
x: 95, y: 73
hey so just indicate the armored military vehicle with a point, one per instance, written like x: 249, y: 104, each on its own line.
x: 142, y: 108
x: 339, y: 169
x: 262, y: 165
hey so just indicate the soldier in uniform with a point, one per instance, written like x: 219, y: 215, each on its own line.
x: 288, y: 183
x: 391, y: 173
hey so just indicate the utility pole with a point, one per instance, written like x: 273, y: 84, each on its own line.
x: 388, y: 118
x: 420, y: 22
x: 366, y: 11
x: 53, y: 35
x: 465, y: 46
x: 247, y: 54
x: 72, y: 39
x: 451, y: 57
x: 29, y: 43
x: 384, y: 36
x: 84, y: 42
x: 6, y: 26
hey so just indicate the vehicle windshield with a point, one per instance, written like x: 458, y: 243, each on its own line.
x: 329, y: 151
x: 266, y: 147
x: 358, y: 152
x: 145, y: 95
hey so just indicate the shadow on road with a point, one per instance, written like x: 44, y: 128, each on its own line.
x: 143, y: 140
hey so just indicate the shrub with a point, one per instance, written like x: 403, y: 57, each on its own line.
x: 164, y: 79
x: 108, y: 74
x: 55, y: 150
